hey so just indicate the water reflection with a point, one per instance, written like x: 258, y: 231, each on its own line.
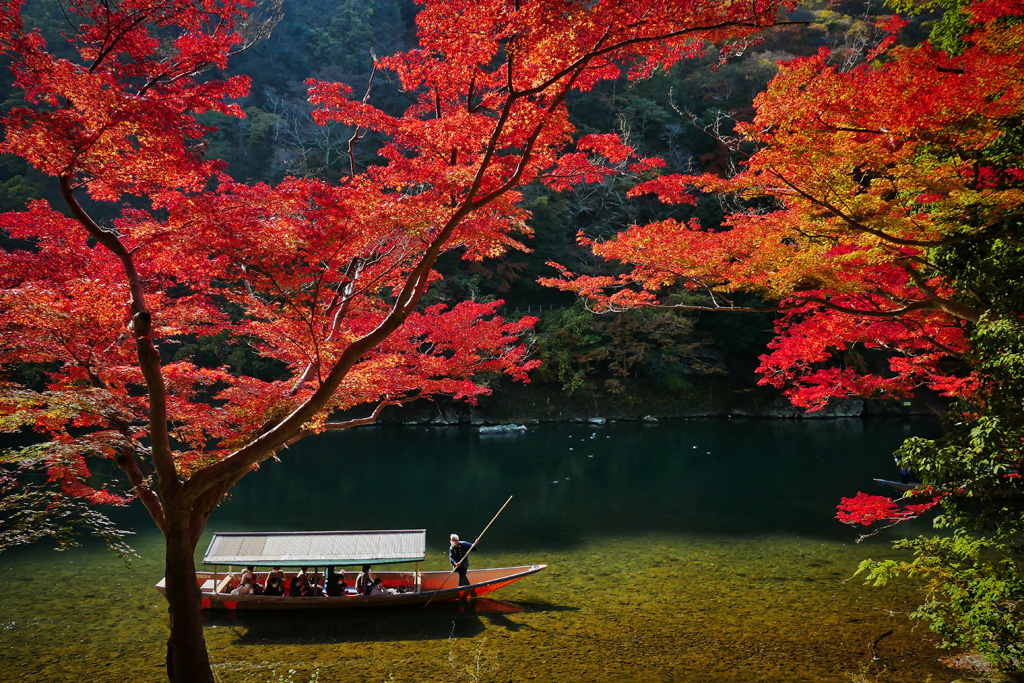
x: 394, y: 625
x: 573, y: 482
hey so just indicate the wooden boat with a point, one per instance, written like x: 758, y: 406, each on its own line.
x: 910, y: 486
x: 502, y: 429
x: 323, y: 549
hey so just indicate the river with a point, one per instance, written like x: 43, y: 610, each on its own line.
x: 689, y: 550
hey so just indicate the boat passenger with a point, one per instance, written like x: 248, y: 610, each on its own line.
x: 905, y: 472
x: 377, y: 588
x: 299, y: 585
x: 316, y: 590
x: 245, y: 588
x: 248, y: 573
x: 275, y: 582
x: 239, y: 578
x: 364, y: 581
x: 335, y: 583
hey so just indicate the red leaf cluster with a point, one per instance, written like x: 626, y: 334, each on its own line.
x: 866, y: 509
x: 861, y: 174
x: 324, y: 281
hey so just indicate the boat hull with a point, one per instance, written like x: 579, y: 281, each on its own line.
x: 899, y: 485
x: 434, y: 587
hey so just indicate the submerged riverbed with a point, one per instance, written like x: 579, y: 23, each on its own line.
x: 700, y: 550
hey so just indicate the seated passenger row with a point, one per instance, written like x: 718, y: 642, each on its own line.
x: 303, y: 584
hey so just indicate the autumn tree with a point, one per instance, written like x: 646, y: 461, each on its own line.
x: 153, y: 245
x: 581, y: 350
x: 883, y: 223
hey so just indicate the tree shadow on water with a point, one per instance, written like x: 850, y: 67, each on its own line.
x: 315, y: 627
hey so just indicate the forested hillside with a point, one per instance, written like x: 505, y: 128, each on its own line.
x: 628, y: 363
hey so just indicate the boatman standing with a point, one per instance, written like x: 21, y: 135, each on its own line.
x: 457, y: 554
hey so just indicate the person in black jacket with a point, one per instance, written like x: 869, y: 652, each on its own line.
x: 275, y: 582
x: 457, y: 555
x: 335, y: 584
x: 300, y: 587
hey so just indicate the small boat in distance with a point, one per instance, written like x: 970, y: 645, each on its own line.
x: 502, y: 429
x: 900, y: 485
x: 322, y: 549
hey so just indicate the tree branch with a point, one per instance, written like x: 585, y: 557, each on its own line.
x: 148, y: 356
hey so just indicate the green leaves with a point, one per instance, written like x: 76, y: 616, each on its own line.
x: 879, y: 573
x: 33, y: 512
x: 976, y: 588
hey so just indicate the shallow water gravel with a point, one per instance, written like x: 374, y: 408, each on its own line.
x: 671, y: 592
x: 651, y: 608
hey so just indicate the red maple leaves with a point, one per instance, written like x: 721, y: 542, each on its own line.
x: 866, y: 509
x: 861, y: 178
x: 323, y: 280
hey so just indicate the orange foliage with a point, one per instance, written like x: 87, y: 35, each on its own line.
x: 860, y: 176
x: 324, y: 279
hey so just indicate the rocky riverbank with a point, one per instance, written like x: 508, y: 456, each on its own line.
x: 536, y: 403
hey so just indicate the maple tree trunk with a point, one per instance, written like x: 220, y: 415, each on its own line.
x: 187, y: 659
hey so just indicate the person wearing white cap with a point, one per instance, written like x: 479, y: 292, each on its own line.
x: 457, y: 555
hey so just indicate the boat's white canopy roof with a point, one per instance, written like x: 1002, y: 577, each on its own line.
x: 317, y: 548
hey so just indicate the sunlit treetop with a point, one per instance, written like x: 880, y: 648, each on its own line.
x: 862, y: 182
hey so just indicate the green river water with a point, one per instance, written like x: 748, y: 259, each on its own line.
x: 693, y: 550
